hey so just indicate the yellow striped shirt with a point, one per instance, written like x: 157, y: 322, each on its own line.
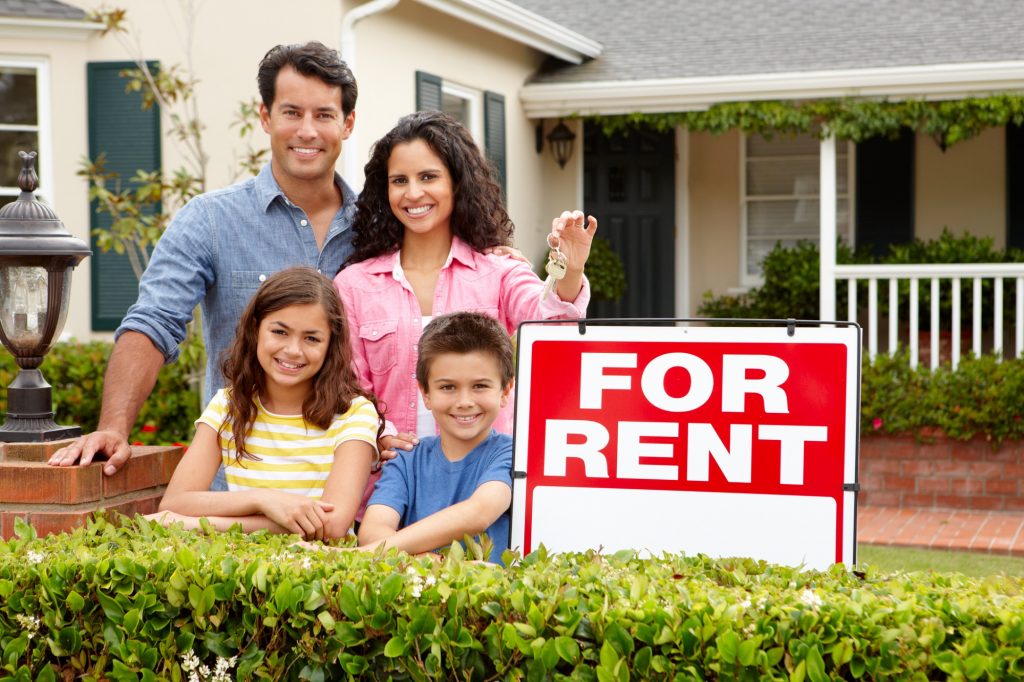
x: 294, y: 455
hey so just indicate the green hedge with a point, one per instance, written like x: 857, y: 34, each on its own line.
x: 75, y: 370
x: 142, y: 602
x: 982, y: 398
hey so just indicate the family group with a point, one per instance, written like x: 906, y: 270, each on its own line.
x: 379, y: 401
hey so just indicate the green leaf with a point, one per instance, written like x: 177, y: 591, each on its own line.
x: 349, y: 603
x: 975, y: 665
x: 395, y: 647
x: 747, y: 652
x: 75, y: 602
x: 620, y: 638
x: 815, y: 665
x: 326, y: 619
x: 728, y: 646
x: 567, y: 648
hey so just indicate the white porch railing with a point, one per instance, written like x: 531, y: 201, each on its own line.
x: 936, y: 277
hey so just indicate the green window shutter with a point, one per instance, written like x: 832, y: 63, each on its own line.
x: 1015, y: 186
x: 494, y: 134
x: 130, y: 138
x: 885, y: 192
x: 428, y: 92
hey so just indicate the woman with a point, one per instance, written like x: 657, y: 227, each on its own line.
x: 429, y: 208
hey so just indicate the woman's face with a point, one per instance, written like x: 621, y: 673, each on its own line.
x: 420, y: 188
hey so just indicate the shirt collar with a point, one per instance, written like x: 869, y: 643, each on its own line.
x: 267, y: 190
x: 391, y: 262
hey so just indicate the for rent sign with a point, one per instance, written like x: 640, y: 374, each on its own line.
x: 726, y: 441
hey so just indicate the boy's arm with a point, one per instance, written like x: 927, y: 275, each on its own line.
x: 469, y: 517
x: 379, y: 521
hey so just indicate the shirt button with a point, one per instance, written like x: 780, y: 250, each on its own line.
x: 412, y: 404
x: 303, y: 222
x: 263, y: 278
x: 374, y: 332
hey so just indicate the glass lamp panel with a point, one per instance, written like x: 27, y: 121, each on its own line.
x: 23, y: 308
x: 18, y: 96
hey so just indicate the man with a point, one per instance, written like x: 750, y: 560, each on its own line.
x: 222, y: 244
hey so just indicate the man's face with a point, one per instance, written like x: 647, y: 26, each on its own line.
x: 306, y: 128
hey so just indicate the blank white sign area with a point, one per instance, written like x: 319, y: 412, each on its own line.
x: 781, y: 529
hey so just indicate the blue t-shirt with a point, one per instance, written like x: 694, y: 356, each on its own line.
x: 423, y: 481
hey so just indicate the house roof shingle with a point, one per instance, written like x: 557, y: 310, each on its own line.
x: 40, y: 9
x: 661, y: 39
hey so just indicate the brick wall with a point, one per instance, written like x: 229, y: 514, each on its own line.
x: 944, y: 474
x: 55, y: 499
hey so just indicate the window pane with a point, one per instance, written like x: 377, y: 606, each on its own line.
x: 792, y: 176
x: 11, y: 142
x: 783, y: 145
x: 18, y: 96
x: 456, y: 107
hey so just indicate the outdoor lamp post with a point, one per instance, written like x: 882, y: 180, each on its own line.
x: 36, y: 258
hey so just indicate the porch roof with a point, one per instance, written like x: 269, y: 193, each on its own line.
x: 40, y: 9
x: 678, y: 55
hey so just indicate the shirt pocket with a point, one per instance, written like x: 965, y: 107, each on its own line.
x: 378, y: 339
x: 244, y: 283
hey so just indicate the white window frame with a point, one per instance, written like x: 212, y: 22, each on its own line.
x: 747, y: 280
x: 43, y: 127
x: 475, y: 98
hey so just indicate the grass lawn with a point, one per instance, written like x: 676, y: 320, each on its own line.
x: 907, y: 559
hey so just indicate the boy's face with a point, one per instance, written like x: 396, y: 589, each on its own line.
x: 465, y: 394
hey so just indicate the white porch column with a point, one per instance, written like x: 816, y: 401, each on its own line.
x: 827, y: 243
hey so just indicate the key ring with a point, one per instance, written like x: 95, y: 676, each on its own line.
x: 553, y: 247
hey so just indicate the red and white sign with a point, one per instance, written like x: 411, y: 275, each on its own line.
x: 727, y: 441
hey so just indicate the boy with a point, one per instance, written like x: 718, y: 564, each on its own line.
x: 460, y: 482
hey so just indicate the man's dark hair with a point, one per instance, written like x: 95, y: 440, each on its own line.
x: 463, y: 333
x: 313, y: 59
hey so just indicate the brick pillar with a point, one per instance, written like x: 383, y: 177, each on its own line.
x: 56, y: 499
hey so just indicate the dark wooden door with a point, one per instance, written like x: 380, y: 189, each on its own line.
x: 629, y: 186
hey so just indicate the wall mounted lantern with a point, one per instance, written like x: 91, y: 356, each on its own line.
x: 560, y: 139
x: 37, y: 255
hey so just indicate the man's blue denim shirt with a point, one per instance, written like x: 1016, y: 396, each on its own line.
x: 216, y: 251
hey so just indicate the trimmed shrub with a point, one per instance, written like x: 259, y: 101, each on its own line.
x: 983, y: 398
x: 75, y: 370
x: 143, y: 602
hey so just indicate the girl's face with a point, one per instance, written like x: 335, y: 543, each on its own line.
x: 419, y: 188
x: 292, y: 344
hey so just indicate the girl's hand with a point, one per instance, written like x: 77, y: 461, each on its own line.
x: 510, y: 252
x: 390, y: 445
x: 297, y: 513
x: 573, y: 237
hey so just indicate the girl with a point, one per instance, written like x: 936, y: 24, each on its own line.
x: 296, y: 434
x: 429, y: 208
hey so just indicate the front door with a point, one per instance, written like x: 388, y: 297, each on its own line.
x: 629, y: 186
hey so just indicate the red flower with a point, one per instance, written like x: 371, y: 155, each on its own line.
x: 148, y: 428
x: 876, y: 423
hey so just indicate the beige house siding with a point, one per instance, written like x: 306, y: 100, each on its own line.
x: 714, y: 214
x: 232, y: 36
x: 963, y: 188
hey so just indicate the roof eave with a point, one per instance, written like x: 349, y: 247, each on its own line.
x: 936, y: 81
x: 512, y: 21
x: 53, y: 29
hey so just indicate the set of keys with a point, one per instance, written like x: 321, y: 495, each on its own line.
x: 556, y: 268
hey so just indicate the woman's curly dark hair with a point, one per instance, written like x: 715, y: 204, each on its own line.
x: 478, y: 217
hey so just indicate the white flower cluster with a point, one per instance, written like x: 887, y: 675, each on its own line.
x: 810, y: 598
x: 34, y: 557
x: 199, y: 672
x: 419, y: 582
x: 30, y: 623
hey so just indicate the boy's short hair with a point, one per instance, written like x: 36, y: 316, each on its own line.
x: 463, y: 333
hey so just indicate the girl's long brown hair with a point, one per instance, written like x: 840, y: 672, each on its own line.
x: 334, y: 386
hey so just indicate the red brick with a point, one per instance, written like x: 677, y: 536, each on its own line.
x: 871, y: 482
x: 46, y: 523
x: 933, y: 485
x: 1001, y: 486
x: 971, y: 451
x: 7, y: 524
x: 900, y: 483
x: 953, y: 501
x: 1014, y: 503
x: 881, y: 466
x: 144, y: 470
x: 31, y: 452
x: 926, y: 500
x: 916, y: 467
x: 987, y: 469
x: 952, y: 468
x: 967, y: 486
x: 881, y: 498
x: 140, y: 505
x: 41, y: 483
x: 988, y: 502
x: 1008, y: 453
x: 1014, y: 470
